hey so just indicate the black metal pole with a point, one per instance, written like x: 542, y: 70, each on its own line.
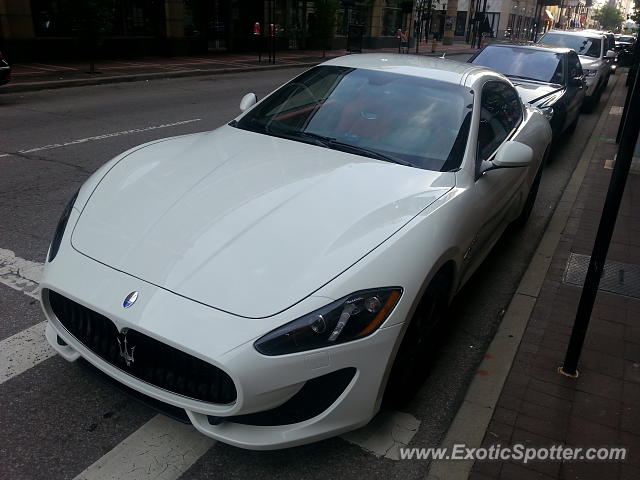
x: 273, y: 31
x: 267, y: 27
x: 603, y: 237
x: 429, y: 18
x: 418, y: 22
x: 484, y: 13
x: 538, y: 18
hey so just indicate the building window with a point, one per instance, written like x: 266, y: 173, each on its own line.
x: 391, y: 18
x: 461, y: 21
x: 60, y: 18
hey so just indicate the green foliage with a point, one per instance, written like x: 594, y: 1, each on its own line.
x: 92, y: 20
x: 609, y: 17
x: 325, y: 13
x: 635, y: 16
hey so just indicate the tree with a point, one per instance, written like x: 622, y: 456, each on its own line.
x: 92, y: 20
x: 609, y: 18
x: 635, y: 16
x: 325, y: 21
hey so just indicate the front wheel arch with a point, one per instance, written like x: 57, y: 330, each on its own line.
x: 401, y: 385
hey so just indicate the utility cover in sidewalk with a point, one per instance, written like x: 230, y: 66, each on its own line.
x: 617, y: 277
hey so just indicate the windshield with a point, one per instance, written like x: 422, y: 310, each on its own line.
x: 589, y: 46
x: 523, y: 62
x: 399, y: 118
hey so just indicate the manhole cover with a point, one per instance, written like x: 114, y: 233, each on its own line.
x: 617, y: 277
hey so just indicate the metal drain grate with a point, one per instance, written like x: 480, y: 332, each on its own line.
x: 617, y: 277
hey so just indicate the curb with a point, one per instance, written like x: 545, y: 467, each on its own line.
x: 82, y: 82
x: 470, y: 423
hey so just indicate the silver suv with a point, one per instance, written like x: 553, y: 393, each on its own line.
x: 595, y: 58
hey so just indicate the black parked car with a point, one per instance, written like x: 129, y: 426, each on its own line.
x: 549, y: 78
x: 5, y: 71
x: 624, y: 48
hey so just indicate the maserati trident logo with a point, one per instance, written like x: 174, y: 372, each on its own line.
x: 126, y: 350
x: 130, y: 299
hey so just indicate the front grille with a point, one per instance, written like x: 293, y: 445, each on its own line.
x: 153, y: 362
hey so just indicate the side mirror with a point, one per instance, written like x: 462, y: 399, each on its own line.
x: 248, y: 101
x: 511, y: 154
x: 610, y: 54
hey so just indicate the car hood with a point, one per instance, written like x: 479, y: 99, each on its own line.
x: 247, y: 223
x: 535, y: 92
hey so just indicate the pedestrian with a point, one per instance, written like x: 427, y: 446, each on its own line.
x: 404, y: 41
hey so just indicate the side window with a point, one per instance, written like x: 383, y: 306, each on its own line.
x: 500, y: 113
x: 575, y: 69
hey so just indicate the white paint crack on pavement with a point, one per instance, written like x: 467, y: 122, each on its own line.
x: 20, y: 274
x: 387, y: 433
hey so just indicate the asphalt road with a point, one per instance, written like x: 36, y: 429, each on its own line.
x: 57, y: 418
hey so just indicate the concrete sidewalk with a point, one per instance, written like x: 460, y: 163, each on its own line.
x: 517, y: 396
x: 36, y: 76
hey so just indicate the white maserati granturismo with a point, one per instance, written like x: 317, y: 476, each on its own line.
x: 277, y: 277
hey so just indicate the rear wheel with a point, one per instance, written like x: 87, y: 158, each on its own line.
x: 410, y: 367
x: 590, y: 103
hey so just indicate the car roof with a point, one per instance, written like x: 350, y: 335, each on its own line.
x: 435, y: 68
x: 537, y: 46
x: 577, y: 33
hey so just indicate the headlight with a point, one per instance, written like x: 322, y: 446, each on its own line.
x: 591, y: 73
x: 62, y: 224
x: 349, y: 318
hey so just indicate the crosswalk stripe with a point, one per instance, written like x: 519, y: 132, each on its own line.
x: 20, y: 274
x: 162, y: 449
x: 29, y: 347
x: 23, y: 350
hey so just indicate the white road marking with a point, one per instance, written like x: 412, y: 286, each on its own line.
x: 106, y: 135
x: 23, y: 350
x: 162, y: 449
x: 28, y: 348
x: 20, y: 274
x: 386, y: 434
x: 616, y: 110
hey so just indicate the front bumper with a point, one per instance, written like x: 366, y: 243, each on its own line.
x: 225, y: 341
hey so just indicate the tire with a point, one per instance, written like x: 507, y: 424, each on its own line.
x: 590, y: 103
x: 531, y: 198
x: 410, y: 367
x: 572, y: 128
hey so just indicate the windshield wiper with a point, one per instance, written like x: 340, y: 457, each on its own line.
x: 522, y: 77
x: 367, y: 152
